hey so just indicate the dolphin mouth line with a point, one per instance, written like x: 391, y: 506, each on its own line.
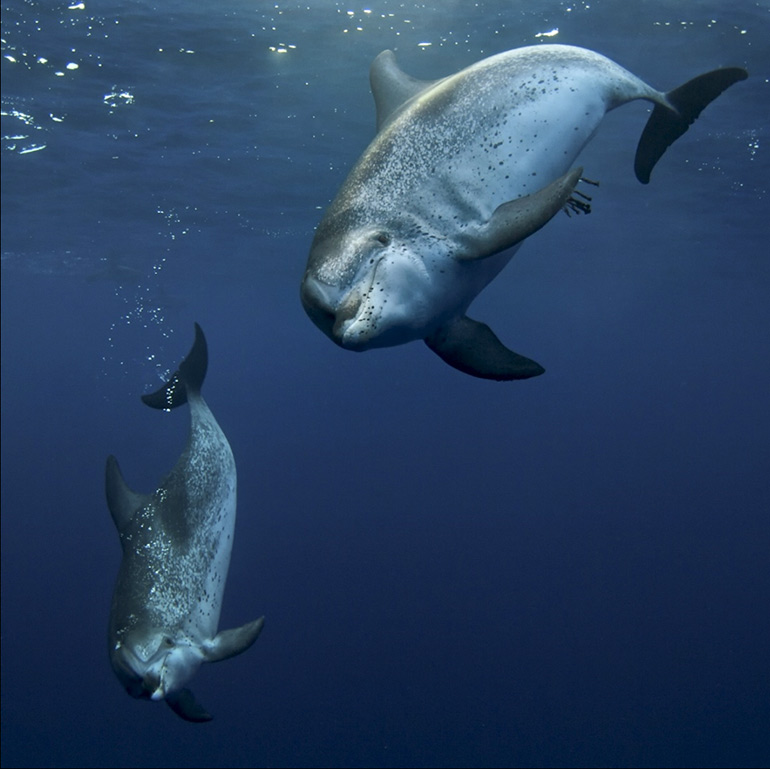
x: 350, y: 311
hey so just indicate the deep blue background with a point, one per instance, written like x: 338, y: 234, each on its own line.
x: 572, y: 570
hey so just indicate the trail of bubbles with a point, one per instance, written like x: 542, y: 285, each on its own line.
x: 137, y: 340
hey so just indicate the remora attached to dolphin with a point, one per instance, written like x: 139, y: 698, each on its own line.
x: 461, y: 171
x: 176, y: 553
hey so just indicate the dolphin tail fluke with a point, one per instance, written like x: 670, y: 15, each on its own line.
x: 184, y: 704
x: 228, y: 643
x: 187, y: 378
x: 473, y: 348
x: 666, y: 125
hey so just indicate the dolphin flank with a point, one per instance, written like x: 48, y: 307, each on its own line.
x: 176, y: 553
x: 461, y: 171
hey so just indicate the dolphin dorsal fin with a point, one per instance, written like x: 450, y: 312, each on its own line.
x: 122, y: 501
x: 392, y: 87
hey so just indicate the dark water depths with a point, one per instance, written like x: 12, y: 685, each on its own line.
x: 571, y: 570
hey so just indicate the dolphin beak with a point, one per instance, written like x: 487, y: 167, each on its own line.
x: 318, y: 305
x: 334, y: 321
x: 153, y: 685
x: 345, y: 333
x: 356, y: 324
x: 351, y: 322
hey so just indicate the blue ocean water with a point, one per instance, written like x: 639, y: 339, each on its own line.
x: 567, y: 571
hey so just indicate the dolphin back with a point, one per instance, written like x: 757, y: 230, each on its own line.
x: 187, y: 379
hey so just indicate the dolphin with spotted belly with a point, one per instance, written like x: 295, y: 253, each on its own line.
x: 460, y: 172
x: 176, y: 553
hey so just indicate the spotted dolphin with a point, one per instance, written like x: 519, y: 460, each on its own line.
x: 460, y: 172
x: 176, y: 553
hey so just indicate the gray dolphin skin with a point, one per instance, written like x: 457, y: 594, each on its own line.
x: 460, y: 172
x: 176, y: 553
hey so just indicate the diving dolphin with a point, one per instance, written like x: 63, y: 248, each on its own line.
x: 176, y: 552
x: 461, y: 171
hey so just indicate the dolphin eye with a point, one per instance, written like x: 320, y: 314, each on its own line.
x: 168, y: 641
x: 382, y: 238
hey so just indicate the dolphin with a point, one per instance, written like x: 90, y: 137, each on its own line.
x: 176, y: 552
x: 461, y: 171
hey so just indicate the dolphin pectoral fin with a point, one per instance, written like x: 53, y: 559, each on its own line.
x: 184, y: 704
x: 122, y: 502
x: 517, y: 219
x: 473, y: 348
x: 666, y: 125
x: 228, y: 643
